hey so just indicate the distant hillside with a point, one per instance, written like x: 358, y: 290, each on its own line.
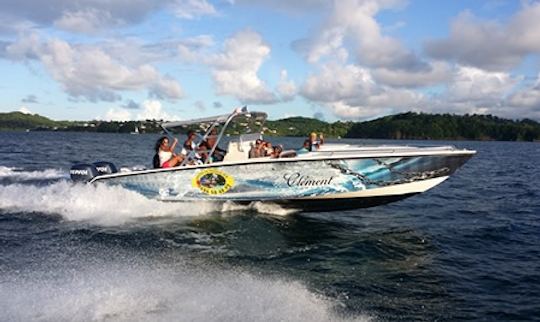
x: 446, y: 127
x: 302, y: 126
x: 401, y: 126
x: 22, y: 121
x: 17, y: 121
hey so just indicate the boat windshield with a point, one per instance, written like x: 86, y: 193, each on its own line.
x: 240, y: 123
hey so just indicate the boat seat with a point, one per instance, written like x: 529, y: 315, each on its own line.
x: 239, y: 150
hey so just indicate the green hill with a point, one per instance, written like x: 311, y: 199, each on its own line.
x: 446, y: 127
x: 22, y: 121
x: 302, y: 126
x: 400, y: 126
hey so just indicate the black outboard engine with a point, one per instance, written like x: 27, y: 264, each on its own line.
x: 83, y: 172
x: 104, y: 167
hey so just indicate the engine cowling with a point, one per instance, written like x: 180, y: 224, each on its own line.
x: 104, y: 167
x: 83, y: 172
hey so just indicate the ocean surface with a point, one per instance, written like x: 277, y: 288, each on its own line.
x: 468, y: 249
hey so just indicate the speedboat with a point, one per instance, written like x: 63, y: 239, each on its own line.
x: 334, y: 177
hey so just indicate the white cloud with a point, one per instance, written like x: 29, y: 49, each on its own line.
x: 286, y: 87
x: 355, y: 19
x: 329, y: 43
x: 166, y: 88
x: 351, y: 27
x: 336, y: 82
x: 475, y: 85
x: 374, y: 48
x: 25, y: 110
x: 81, y: 15
x: 200, y: 41
x: 490, y: 44
x: 191, y: 9
x: 90, y: 72
x: 291, y: 7
x: 30, y: 99
x: 235, y: 69
x: 150, y: 110
x: 200, y: 106
x: 348, y: 112
x: 433, y: 73
x: 90, y: 16
x: 375, y: 82
x: 118, y: 114
x: 359, y: 70
x: 153, y: 110
x: 477, y: 91
x: 350, y: 92
x: 131, y: 104
x: 236, y: 66
x: 527, y: 97
x: 190, y: 49
x: 89, y: 20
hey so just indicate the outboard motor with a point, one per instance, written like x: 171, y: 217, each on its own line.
x: 83, y: 172
x: 104, y: 167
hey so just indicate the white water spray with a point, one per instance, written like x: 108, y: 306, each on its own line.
x: 159, y: 292
x: 21, y: 175
x: 107, y: 205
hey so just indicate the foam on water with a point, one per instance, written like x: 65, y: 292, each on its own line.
x: 21, y: 175
x: 160, y: 292
x: 107, y: 205
x: 267, y: 208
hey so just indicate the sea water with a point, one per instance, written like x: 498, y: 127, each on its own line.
x: 468, y: 249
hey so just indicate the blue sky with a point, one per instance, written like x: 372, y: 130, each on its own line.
x: 346, y: 59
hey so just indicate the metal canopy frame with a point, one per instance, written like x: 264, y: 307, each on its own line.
x: 215, y: 121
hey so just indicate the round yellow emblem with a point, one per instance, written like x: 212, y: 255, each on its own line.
x: 213, y: 181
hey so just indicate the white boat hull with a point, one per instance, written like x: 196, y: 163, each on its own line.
x: 323, y: 182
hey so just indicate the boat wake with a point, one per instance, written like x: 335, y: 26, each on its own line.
x: 143, y: 290
x: 17, y: 174
x: 102, y: 204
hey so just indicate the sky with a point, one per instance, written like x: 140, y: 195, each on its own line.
x: 333, y: 60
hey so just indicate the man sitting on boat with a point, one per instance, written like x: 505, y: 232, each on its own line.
x: 256, y: 150
x: 208, y: 144
x: 267, y: 149
x: 305, y: 147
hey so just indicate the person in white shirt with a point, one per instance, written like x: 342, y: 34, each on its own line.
x: 166, y: 155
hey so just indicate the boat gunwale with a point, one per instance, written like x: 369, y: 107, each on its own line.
x: 340, y: 156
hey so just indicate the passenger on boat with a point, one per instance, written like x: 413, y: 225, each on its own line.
x: 305, y: 147
x: 190, y: 145
x: 314, y: 143
x: 256, y: 149
x: 165, y: 156
x: 267, y: 149
x: 208, y: 144
x: 276, y: 151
